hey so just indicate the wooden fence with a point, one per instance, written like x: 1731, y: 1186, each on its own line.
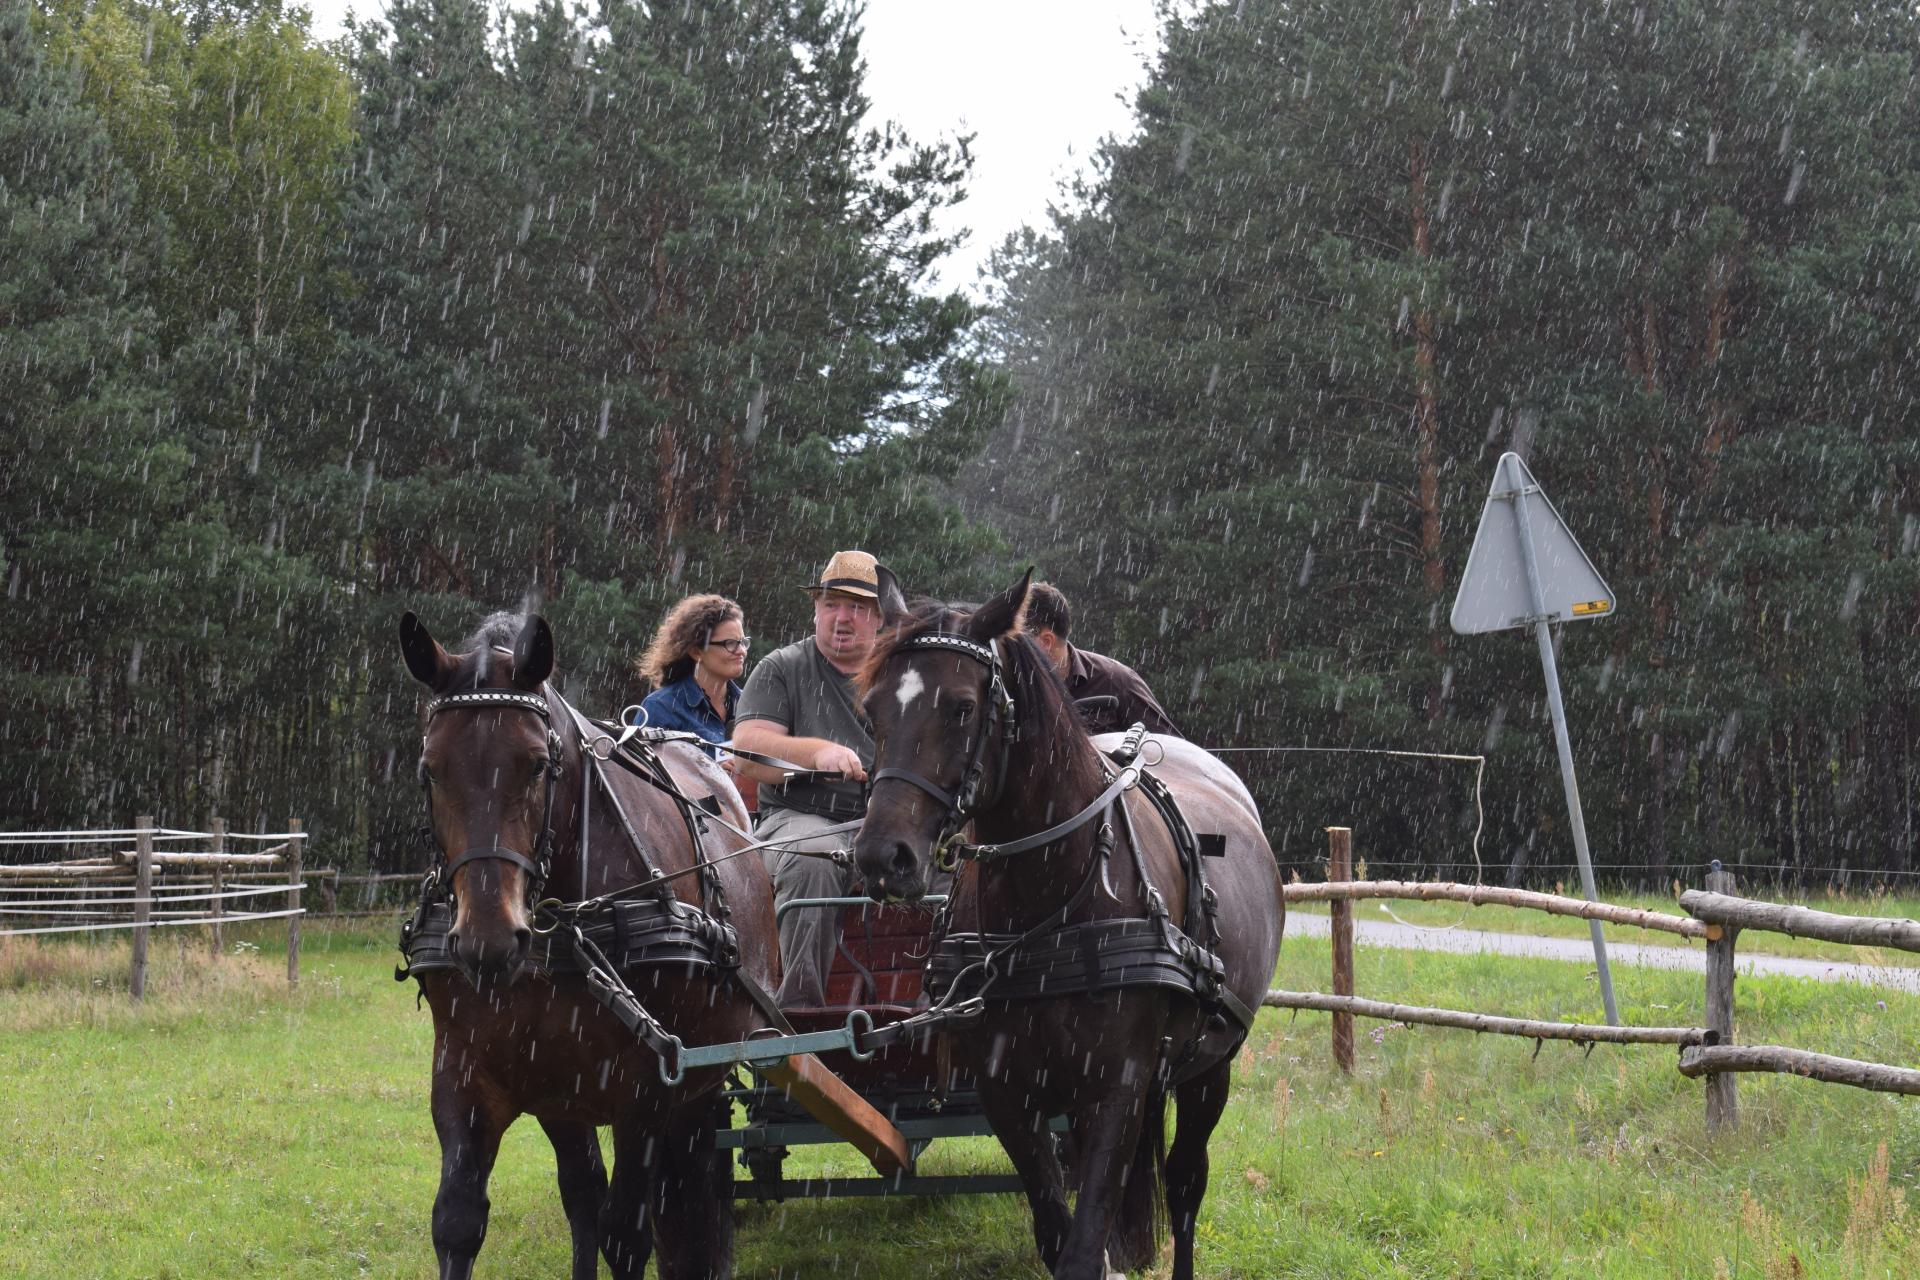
x: 1715, y: 915
x: 144, y: 887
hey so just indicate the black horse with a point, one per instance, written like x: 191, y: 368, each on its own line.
x: 521, y: 809
x: 1065, y: 923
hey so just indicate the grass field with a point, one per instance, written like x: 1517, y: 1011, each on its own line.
x: 229, y: 1128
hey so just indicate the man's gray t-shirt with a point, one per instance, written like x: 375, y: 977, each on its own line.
x: 797, y: 687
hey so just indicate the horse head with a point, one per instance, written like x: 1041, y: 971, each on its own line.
x: 489, y: 758
x: 936, y: 693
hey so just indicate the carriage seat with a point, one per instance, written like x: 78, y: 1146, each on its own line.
x: 877, y: 965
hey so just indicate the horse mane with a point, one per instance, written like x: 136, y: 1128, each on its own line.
x: 1049, y: 724
x: 496, y: 631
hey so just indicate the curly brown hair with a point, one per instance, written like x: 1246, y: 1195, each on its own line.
x: 686, y: 626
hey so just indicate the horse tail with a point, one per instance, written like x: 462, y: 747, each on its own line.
x: 1141, y: 1225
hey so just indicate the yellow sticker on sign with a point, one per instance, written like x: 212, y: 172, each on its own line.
x: 1592, y: 606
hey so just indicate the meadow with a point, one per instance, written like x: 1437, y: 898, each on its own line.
x: 230, y: 1127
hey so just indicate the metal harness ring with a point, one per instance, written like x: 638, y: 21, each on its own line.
x: 541, y: 906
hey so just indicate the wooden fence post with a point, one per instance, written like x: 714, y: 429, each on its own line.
x: 1340, y: 868
x: 142, y: 903
x: 294, y: 857
x: 1723, y: 1111
x: 219, y: 884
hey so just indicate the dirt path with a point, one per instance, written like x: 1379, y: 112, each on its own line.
x: 1381, y: 933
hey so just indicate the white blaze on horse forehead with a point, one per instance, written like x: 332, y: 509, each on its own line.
x: 911, y: 686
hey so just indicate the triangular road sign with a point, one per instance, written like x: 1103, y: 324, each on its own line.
x: 1494, y: 594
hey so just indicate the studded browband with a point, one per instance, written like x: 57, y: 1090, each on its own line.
x: 491, y: 698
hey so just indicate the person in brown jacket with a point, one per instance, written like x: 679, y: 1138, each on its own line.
x: 1111, y: 695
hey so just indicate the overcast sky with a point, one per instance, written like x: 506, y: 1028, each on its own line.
x: 1039, y: 82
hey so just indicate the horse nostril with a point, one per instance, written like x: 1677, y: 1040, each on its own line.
x: 902, y: 864
x: 522, y: 939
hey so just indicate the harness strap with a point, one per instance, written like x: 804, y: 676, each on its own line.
x: 495, y: 854
x: 794, y: 772
x: 944, y: 798
x: 988, y: 852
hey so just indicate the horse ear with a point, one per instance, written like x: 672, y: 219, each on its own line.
x: 1001, y: 614
x: 533, y: 654
x: 428, y: 662
x: 893, y: 601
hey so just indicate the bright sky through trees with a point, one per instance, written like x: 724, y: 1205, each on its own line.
x: 1039, y: 82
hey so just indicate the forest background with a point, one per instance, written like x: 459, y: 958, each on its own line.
x: 588, y: 310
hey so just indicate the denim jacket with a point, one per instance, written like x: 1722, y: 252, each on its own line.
x: 684, y: 705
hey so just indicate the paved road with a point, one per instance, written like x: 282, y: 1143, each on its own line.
x: 1385, y: 933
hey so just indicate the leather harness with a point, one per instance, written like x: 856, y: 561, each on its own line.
x: 644, y: 925
x: 1060, y: 956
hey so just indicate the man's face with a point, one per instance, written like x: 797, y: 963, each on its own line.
x: 845, y: 627
x: 1054, y: 647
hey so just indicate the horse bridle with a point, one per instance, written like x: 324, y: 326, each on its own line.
x: 980, y: 784
x: 974, y: 792
x: 539, y: 864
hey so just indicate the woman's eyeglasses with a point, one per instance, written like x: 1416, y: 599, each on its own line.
x: 735, y: 647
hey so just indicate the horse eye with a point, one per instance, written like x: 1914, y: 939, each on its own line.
x: 423, y: 774
x: 962, y: 711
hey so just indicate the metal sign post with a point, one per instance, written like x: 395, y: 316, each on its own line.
x: 1494, y: 597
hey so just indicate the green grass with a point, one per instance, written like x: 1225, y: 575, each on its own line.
x: 1499, y: 919
x: 229, y: 1128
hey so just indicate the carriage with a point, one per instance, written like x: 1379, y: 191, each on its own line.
x: 1139, y: 928
x: 913, y: 1086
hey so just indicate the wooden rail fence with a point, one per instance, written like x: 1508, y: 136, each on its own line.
x: 144, y: 887
x: 1715, y: 915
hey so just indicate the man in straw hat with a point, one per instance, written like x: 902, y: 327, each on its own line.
x: 799, y: 706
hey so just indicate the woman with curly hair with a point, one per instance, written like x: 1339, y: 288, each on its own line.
x: 694, y: 664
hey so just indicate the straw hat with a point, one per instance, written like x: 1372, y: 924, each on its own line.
x: 853, y: 573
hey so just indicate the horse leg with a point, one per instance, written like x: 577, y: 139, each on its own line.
x: 626, y: 1215
x: 694, y: 1215
x: 1143, y: 1211
x: 1201, y: 1100
x: 583, y: 1185
x: 1024, y: 1134
x: 470, y: 1125
x: 1108, y: 1130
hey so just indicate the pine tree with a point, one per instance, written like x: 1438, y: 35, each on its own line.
x: 85, y: 476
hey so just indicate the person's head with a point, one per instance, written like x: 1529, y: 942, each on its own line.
x: 846, y: 608
x: 1048, y: 619
x: 707, y: 632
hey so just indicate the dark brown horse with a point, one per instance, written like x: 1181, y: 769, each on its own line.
x: 516, y: 1030
x: 948, y: 748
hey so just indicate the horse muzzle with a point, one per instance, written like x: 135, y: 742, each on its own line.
x: 490, y: 956
x: 894, y: 868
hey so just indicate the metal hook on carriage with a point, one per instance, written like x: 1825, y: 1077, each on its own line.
x: 671, y: 1076
x: 856, y: 1017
